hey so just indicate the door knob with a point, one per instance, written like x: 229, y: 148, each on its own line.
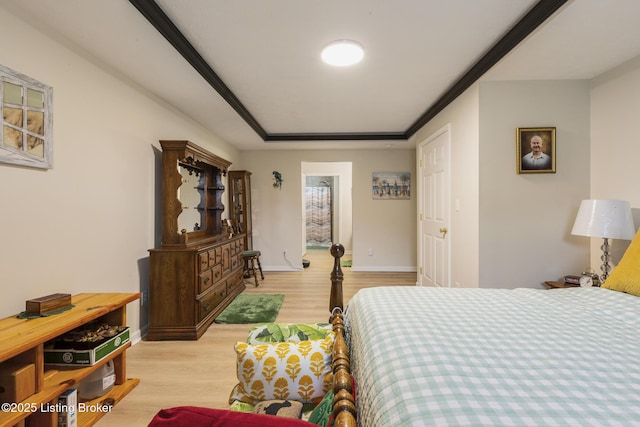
x: 444, y: 230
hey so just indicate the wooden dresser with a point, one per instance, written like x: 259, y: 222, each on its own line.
x: 198, y: 269
x: 190, y: 287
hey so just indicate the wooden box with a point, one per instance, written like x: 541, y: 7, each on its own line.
x: 16, y: 382
x: 47, y: 304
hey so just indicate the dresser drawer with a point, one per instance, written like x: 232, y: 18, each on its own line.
x: 236, y: 261
x: 235, y: 246
x: 234, y: 281
x: 203, y: 261
x: 211, y: 300
x: 226, y: 257
x: 216, y: 273
x: 215, y: 256
x: 205, y: 281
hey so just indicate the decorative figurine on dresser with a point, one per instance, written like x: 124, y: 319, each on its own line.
x: 198, y: 269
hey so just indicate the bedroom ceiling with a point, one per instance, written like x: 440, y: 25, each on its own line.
x: 267, y: 56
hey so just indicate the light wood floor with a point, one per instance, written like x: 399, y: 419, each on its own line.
x: 202, y: 373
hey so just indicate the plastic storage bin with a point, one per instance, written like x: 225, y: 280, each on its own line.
x: 97, y: 383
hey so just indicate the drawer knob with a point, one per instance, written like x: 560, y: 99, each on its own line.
x: 207, y: 306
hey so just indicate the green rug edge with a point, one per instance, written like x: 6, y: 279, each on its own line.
x: 252, y: 308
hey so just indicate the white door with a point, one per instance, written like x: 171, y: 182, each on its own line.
x: 433, y: 210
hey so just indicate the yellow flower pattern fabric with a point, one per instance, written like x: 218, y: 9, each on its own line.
x: 286, y: 370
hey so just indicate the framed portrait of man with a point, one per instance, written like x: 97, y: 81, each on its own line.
x: 536, y: 150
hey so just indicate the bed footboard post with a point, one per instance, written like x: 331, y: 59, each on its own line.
x: 344, y: 404
x: 337, y: 250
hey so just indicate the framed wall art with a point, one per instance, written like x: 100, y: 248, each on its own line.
x: 536, y: 150
x: 26, y: 136
x: 391, y: 185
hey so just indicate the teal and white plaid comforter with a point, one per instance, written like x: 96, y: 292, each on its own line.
x: 479, y: 357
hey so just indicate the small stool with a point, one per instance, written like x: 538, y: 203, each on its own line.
x: 251, y: 258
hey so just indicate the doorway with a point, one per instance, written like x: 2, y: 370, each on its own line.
x: 326, y: 205
x: 434, y: 265
x: 319, y: 211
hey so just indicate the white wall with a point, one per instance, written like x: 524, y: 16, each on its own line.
x: 615, y: 144
x: 526, y: 219
x: 86, y: 224
x: 464, y: 232
x: 514, y: 230
x: 386, y: 227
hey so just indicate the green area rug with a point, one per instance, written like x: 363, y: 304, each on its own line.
x: 345, y: 263
x: 252, y: 308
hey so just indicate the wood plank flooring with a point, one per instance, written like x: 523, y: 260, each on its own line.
x: 202, y: 373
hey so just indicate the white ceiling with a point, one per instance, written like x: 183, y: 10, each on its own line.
x: 268, y: 55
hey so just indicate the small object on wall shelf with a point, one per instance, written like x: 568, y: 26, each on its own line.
x: 47, y: 304
x: 277, y: 180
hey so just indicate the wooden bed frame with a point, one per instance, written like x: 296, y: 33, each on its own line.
x: 344, y: 404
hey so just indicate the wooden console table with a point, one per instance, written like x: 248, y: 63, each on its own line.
x: 22, y: 342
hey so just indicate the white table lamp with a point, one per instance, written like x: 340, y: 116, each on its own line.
x: 608, y: 219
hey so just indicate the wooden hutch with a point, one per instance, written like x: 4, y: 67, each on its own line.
x: 197, y: 271
x: 240, y: 205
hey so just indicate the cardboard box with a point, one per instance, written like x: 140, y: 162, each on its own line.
x: 68, y: 408
x: 88, y: 356
x: 47, y: 304
x: 17, y: 382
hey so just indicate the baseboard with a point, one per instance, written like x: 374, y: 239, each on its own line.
x: 135, y: 336
x: 372, y: 268
x: 280, y: 268
x: 385, y: 269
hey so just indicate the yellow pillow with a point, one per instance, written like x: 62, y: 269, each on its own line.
x: 625, y: 277
x: 286, y: 370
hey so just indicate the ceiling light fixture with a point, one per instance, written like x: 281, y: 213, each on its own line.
x: 342, y: 53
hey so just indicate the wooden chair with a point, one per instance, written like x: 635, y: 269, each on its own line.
x: 251, y: 259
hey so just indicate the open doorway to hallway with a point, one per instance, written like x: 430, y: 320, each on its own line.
x: 326, y: 205
x: 319, y: 211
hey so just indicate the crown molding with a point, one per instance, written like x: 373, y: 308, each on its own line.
x: 525, y: 26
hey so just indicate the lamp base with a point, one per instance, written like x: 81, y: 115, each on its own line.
x: 605, y: 267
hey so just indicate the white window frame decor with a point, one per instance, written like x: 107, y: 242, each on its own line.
x: 26, y: 134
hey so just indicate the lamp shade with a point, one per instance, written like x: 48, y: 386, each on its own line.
x: 610, y: 219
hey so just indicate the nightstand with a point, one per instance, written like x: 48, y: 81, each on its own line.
x: 557, y: 285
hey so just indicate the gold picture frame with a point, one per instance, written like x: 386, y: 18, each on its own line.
x: 536, y: 150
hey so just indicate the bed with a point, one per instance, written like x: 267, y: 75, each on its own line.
x: 421, y: 356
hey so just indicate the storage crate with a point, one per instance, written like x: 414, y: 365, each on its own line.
x: 88, y: 354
